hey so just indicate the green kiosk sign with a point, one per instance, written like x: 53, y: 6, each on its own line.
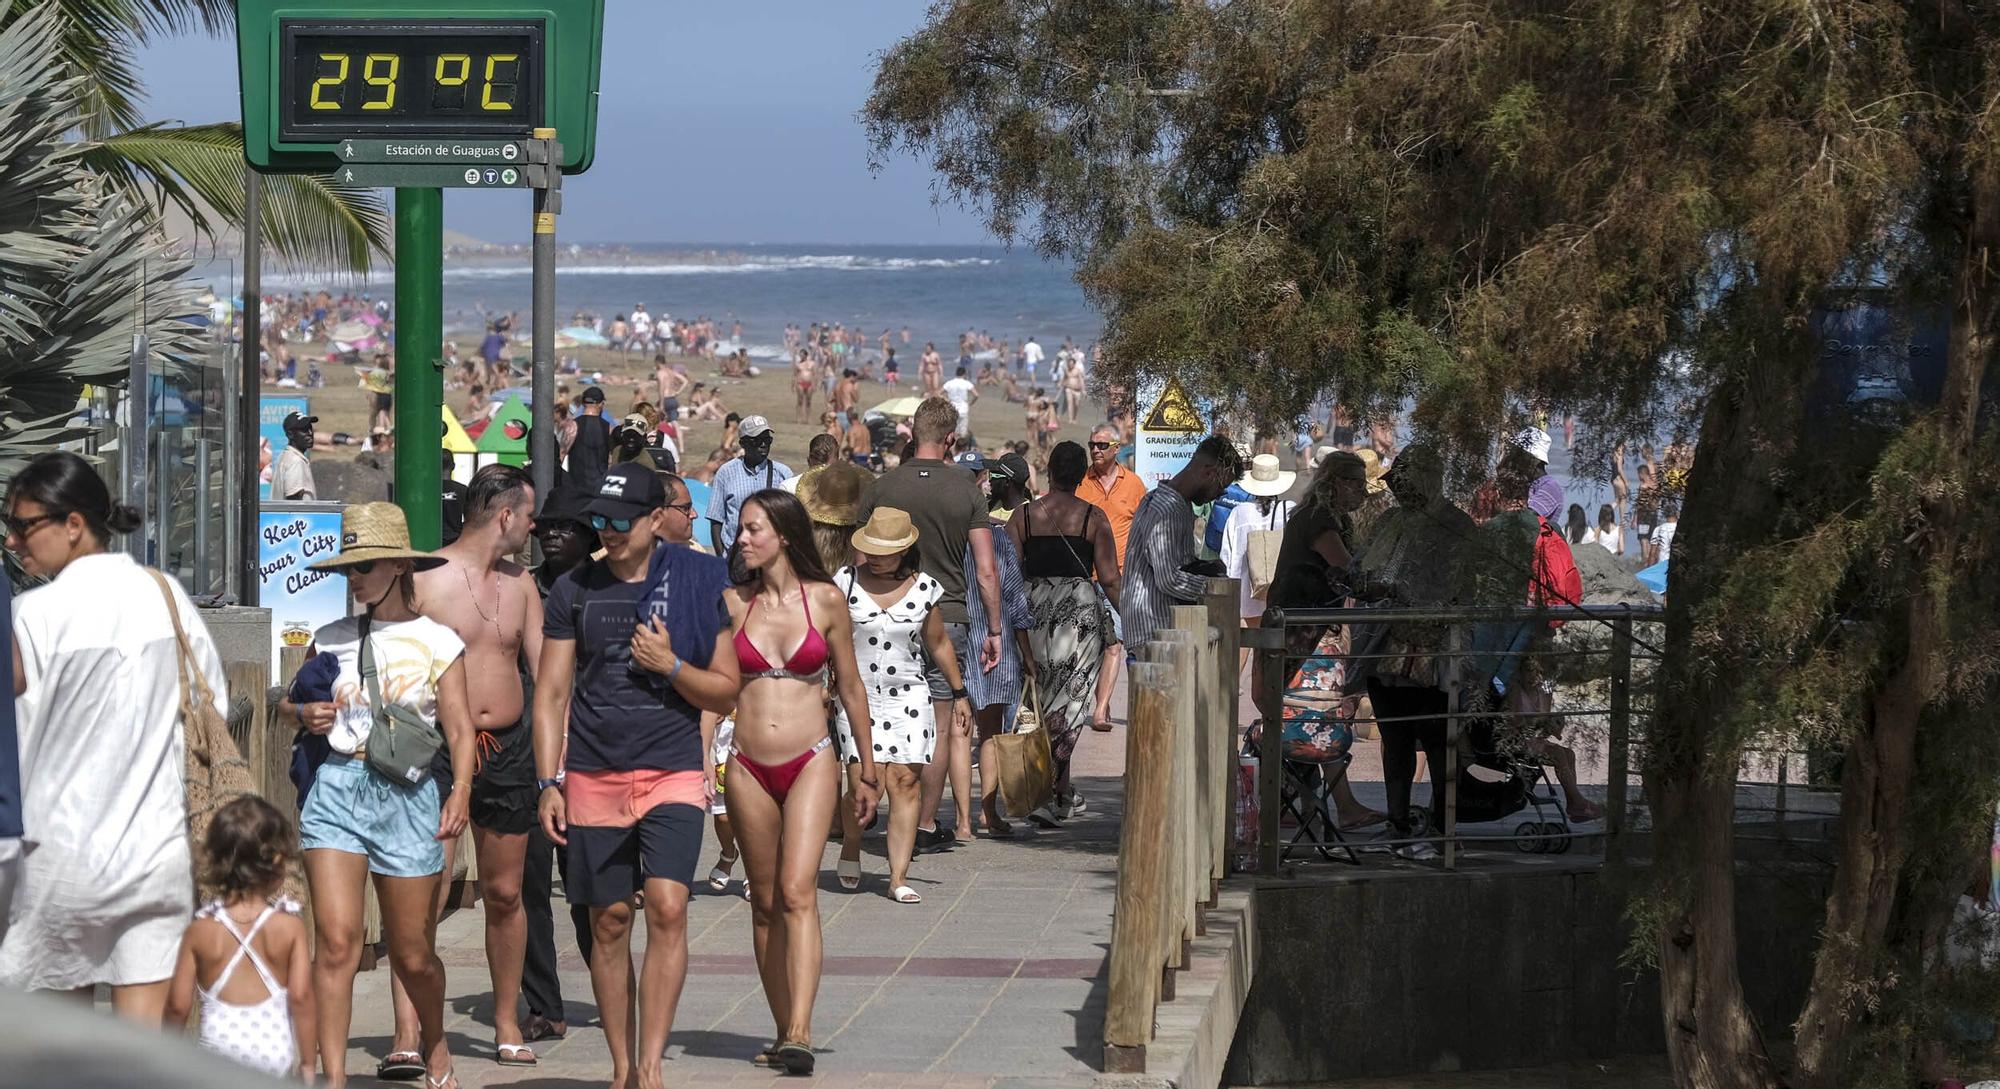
x: 317, y: 75
x: 419, y: 96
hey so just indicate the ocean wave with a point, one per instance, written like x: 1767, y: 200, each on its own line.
x: 827, y: 263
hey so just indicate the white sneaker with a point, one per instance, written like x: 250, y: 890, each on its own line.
x: 1074, y: 806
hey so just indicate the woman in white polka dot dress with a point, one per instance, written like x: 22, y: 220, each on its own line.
x: 895, y: 621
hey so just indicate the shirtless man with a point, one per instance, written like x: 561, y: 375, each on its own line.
x: 846, y: 394
x: 802, y: 385
x: 671, y: 381
x: 492, y: 604
x: 860, y: 441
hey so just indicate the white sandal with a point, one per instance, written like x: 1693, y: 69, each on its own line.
x: 904, y: 894
x: 718, y: 878
x: 849, y: 873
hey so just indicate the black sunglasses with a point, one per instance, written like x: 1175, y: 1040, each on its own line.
x: 1095, y: 445
x: 21, y: 527
x: 619, y: 525
x: 361, y: 568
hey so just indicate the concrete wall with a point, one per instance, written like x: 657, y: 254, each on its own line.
x: 1382, y: 974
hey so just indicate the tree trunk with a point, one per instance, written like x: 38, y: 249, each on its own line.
x: 1748, y: 428
x: 1875, y: 784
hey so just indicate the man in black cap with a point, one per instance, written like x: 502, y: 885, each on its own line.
x: 292, y: 475
x: 626, y: 653
x: 590, y: 453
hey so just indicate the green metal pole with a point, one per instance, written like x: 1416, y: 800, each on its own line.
x: 419, y: 374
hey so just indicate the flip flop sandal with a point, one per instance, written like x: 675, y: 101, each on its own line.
x: 718, y: 878
x: 767, y: 1057
x: 400, y: 1066
x: 849, y: 873
x: 904, y: 894
x: 541, y: 1028
x: 512, y: 1055
x: 449, y: 1081
x: 797, y: 1059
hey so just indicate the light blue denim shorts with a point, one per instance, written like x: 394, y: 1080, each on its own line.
x: 360, y: 812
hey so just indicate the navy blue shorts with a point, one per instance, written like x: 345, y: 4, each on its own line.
x: 608, y: 865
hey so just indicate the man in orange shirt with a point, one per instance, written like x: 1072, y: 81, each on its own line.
x: 1110, y: 487
x: 1117, y: 491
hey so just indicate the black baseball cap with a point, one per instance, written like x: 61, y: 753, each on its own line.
x: 629, y: 490
x: 591, y: 396
x: 294, y: 420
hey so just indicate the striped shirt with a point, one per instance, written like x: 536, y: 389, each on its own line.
x: 1161, y: 544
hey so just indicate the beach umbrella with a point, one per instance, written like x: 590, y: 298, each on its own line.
x: 351, y: 331
x: 898, y: 406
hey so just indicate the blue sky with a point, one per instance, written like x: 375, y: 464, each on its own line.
x: 719, y: 122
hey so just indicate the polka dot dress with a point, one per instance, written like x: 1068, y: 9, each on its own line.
x: 889, y: 650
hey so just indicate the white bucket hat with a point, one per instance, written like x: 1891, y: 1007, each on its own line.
x: 1265, y: 478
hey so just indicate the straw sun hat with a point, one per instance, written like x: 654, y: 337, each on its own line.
x: 375, y: 531
x: 888, y: 532
x: 833, y: 493
x: 1376, y: 470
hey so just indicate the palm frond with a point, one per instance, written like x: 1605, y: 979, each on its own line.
x: 309, y: 219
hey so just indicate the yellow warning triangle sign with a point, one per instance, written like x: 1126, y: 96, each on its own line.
x: 455, y: 438
x: 1174, y: 411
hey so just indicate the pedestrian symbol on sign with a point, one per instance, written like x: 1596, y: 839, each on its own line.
x: 472, y: 176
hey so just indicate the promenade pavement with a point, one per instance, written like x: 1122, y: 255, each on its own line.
x: 996, y: 978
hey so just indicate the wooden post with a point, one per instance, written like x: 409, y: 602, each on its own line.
x: 1206, y: 722
x: 1137, y: 954
x: 1225, y: 615
x: 1187, y: 684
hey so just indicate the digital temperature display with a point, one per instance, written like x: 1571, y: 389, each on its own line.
x: 424, y: 77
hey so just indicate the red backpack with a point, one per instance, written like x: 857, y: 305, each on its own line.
x: 1556, y: 581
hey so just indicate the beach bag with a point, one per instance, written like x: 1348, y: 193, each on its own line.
x: 216, y: 773
x: 1263, y: 548
x: 1026, y: 765
x: 401, y: 745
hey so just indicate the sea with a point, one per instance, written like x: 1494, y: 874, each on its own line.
x: 937, y: 292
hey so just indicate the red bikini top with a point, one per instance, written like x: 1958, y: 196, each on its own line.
x: 808, y: 663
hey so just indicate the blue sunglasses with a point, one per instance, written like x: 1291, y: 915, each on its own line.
x: 617, y: 525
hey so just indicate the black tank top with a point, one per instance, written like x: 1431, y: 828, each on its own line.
x: 1060, y: 556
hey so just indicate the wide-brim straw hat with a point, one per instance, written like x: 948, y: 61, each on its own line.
x: 888, y: 532
x: 834, y: 493
x: 375, y: 531
x: 1265, y: 479
x: 1376, y: 470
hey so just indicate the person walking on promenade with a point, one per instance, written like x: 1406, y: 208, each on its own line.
x: 783, y: 784
x: 1066, y: 547
x: 1115, y: 490
x: 894, y: 609
x: 634, y: 647
x: 590, y: 449
x: 262, y: 1018
x: 97, y: 682
x: 490, y: 603
x: 996, y: 693
x: 1163, y: 543
x: 945, y: 504
x: 741, y: 478
x: 1409, y: 559
x: 395, y: 664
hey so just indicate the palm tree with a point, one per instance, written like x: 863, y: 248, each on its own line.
x: 196, y: 168
x: 81, y: 268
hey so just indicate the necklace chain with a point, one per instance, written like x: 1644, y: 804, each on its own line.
x: 495, y: 618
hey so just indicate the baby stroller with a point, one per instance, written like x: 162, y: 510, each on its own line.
x: 1494, y: 783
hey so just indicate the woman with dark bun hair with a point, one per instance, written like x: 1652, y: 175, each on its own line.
x: 109, y: 887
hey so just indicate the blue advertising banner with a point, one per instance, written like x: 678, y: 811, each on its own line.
x: 271, y: 413
x: 290, y: 536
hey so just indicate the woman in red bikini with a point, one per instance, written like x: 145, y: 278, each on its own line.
x: 791, y: 624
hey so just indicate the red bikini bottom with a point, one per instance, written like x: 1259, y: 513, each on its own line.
x: 777, y: 779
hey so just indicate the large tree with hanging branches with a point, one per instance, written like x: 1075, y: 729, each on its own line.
x: 1631, y: 210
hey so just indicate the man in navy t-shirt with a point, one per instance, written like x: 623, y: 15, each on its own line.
x: 634, y: 647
